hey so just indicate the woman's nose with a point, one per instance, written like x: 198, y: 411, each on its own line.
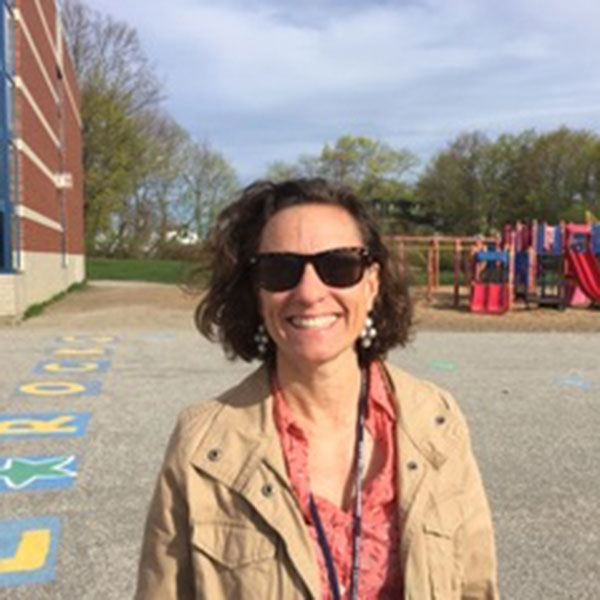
x: 310, y: 287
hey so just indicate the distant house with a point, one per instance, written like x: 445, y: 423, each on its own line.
x: 402, y: 210
x: 41, y: 187
x: 183, y: 236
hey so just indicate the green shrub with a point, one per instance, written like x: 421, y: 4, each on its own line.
x: 33, y: 310
x: 132, y: 269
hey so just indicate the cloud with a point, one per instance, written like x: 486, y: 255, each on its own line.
x: 267, y: 79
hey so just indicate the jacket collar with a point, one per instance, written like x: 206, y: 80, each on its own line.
x: 243, y: 430
x: 426, y: 415
x: 243, y: 433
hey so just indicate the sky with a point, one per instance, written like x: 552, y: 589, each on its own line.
x: 267, y: 80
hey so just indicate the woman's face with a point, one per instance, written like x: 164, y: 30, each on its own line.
x: 314, y: 323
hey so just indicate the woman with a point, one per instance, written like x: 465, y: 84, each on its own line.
x: 327, y: 473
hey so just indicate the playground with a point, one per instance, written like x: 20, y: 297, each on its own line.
x: 101, y: 375
x: 532, y: 266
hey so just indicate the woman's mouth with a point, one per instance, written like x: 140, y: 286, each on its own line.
x: 319, y: 322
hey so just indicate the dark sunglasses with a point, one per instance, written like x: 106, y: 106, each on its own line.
x: 281, y: 271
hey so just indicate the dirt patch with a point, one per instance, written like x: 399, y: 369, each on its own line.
x: 106, y: 305
x: 442, y: 316
x: 110, y: 305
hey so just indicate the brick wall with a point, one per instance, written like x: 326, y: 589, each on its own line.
x: 48, y: 134
x: 74, y: 196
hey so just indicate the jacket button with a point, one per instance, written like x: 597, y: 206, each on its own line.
x: 268, y: 490
x: 440, y: 420
x: 412, y: 465
x: 214, y: 454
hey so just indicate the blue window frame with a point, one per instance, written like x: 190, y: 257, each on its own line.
x: 7, y: 154
x: 5, y: 246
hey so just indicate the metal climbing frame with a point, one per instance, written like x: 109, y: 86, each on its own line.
x: 551, y: 280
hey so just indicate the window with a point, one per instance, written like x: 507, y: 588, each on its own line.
x: 6, y: 120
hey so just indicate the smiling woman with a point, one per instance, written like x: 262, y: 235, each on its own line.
x: 230, y: 311
x: 313, y: 320
x: 327, y: 473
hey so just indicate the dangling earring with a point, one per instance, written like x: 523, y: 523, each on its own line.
x: 368, y: 333
x: 262, y: 339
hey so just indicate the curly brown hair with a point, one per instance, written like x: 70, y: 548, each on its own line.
x: 229, y: 310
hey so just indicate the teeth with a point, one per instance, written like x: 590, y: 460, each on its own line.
x: 313, y: 322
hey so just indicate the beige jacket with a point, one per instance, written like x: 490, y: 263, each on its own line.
x: 224, y: 522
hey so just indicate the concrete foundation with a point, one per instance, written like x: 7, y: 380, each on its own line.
x: 42, y: 276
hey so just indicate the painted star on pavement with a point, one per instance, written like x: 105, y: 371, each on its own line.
x: 18, y: 473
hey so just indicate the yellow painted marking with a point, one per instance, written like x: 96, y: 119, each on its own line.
x: 57, y: 388
x: 85, y: 367
x: 31, y: 552
x: 78, y: 351
x: 28, y: 426
x: 102, y: 339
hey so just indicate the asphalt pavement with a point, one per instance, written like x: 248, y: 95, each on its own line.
x: 85, y: 417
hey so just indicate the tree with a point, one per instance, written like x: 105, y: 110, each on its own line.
x: 111, y: 146
x: 144, y: 217
x: 477, y: 185
x: 118, y: 91
x: 454, y: 185
x: 365, y: 164
x: 563, y: 175
x: 279, y: 170
x: 508, y: 179
x: 109, y: 51
x: 305, y: 166
x: 209, y: 183
x: 143, y: 176
x: 373, y: 169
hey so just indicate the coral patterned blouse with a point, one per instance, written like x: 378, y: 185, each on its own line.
x: 380, y: 575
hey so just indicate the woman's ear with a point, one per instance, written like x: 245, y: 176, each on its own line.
x: 372, y: 284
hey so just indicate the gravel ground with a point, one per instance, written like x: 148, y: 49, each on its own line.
x: 530, y: 398
x: 105, y: 304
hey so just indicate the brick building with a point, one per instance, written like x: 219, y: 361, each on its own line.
x: 41, y: 196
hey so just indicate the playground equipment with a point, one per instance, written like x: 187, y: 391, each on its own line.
x: 490, y: 288
x: 582, y: 264
x: 540, y: 264
x: 548, y: 258
x: 547, y: 266
x: 425, y: 252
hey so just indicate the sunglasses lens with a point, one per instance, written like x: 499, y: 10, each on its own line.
x: 279, y: 272
x: 342, y: 268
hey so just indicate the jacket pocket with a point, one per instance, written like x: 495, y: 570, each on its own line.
x: 232, y: 560
x: 439, y: 529
x: 232, y: 545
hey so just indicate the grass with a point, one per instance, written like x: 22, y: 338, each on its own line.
x: 131, y: 269
x: 37, y: 309
x: 173, y: 271
x: 419, y: 277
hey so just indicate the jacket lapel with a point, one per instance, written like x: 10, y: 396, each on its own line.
x: 242, y: 451
x: 425, y: 436
x: 424, y: 415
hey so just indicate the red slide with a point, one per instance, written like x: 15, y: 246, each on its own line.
x: 586, y: 269
x: 489, y: 298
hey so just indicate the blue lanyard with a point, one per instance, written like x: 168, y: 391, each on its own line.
x: 357, y: 510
